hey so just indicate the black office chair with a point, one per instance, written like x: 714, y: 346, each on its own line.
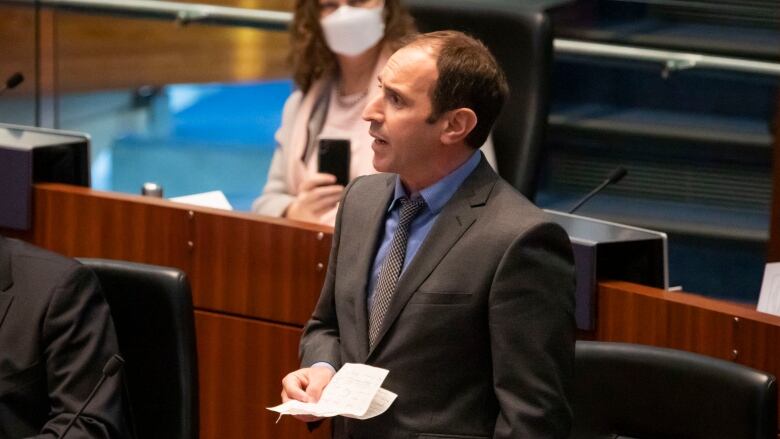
x: 639, y: 392
x: 521, y: 41
x: 152, y: 311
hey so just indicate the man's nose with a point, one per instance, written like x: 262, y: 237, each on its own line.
x: 372, y: 112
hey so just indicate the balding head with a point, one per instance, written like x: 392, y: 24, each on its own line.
x: 468, y: 77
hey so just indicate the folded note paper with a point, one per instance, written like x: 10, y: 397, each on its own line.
x: 353, y: 392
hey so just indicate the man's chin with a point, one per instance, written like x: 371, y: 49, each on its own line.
x: 380, y: 165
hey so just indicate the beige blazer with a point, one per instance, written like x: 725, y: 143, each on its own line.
x: 288, y: 170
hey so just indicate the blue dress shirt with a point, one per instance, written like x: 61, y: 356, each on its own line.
x: 435, y: 196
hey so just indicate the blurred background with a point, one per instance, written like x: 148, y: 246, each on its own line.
x: 194, y: 107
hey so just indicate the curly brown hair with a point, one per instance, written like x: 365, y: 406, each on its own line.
x: 310, y: 56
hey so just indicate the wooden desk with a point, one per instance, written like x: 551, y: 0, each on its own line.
x: 255, y: 281
x: 637, y: 314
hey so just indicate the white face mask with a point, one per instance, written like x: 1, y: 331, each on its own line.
x: 351, y: 31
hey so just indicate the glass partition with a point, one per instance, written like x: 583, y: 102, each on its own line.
x: 697, y: 142
x: 193, y: 108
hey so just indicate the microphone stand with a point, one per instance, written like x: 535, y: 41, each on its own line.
x: 110, y: 369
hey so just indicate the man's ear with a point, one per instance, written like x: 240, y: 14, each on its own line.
x: 460, y: 123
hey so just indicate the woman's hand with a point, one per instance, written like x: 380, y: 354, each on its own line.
x: 316, y: 195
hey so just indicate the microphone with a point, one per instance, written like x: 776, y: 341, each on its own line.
x: 616, y: 175
x: 110, y: 369
x: 12, y: 81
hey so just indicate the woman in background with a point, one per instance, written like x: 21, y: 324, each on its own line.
x: 338, y: 49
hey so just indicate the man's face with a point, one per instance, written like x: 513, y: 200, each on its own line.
x: 404, y: 142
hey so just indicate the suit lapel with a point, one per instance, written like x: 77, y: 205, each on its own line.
x: 5, y: 304
x: 6, y: 281
x: 368, y: 242
x: 455, y: 218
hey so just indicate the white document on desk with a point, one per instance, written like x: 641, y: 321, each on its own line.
x: 215, y: 199
x: 355, y: 392
x: 769, y: 300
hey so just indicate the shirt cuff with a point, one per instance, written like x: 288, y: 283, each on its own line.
x: 324, y: 364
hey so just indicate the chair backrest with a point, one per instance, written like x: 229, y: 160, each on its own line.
x: 152, y: 311
x: 635, y: 391
x: 521, y: 41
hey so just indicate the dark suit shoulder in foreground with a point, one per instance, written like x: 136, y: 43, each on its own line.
x: 56, y: 335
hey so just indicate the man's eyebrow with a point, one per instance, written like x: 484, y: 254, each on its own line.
x: 389, y: 89
x: 392, y: 90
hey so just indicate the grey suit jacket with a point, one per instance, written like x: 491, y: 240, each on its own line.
x: 479, y: 336
x: 56, y: 335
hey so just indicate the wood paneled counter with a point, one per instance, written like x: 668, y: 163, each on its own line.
x: 255, y: 281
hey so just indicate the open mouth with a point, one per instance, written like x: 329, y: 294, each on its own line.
x: 379, y: 140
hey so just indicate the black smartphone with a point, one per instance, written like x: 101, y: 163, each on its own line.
x: 334, y: 159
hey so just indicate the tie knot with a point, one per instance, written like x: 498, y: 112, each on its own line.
x: 410, y: 207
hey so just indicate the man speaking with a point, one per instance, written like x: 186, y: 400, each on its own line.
x: 440, y: 271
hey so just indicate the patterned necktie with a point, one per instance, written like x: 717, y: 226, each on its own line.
x: 391, y: 266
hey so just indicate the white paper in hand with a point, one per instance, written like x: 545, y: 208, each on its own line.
x: 381, y: 402
x: 353, y: 392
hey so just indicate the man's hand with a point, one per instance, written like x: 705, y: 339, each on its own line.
x: 306, y: 385
x: 316, y: 195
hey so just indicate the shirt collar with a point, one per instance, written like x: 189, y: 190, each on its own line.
x: 437, y: 194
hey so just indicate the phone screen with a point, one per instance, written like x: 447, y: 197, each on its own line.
x: 334, y: 159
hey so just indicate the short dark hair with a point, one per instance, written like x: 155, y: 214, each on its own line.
x: 469, y: 77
